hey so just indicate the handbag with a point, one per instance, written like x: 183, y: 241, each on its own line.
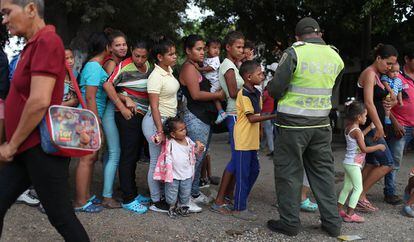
x: 68, y: 131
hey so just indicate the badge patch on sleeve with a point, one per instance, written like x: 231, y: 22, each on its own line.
x: 283, y: 58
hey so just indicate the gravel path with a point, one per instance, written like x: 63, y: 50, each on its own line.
x: 24, y: 223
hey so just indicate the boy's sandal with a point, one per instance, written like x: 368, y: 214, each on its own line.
x: 143, y: 200
x: 221, y: 209
x: 308, y: 206
x: 89, y: 207
x: 228, y: 200
x: 135, y: 207
x: 95, y: 200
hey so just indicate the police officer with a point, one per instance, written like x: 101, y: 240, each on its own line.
x: 303, y: 84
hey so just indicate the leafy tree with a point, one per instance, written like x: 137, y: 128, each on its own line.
x: 352, y: 26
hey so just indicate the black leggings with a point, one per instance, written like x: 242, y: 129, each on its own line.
x: 49, y: 176
x: 131, y: 139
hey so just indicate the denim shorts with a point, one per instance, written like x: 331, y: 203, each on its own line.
x: 378, y: 158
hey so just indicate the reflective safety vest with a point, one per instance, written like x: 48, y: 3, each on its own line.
x: 310, y: 90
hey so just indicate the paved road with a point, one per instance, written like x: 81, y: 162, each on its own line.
x: 24, y: 223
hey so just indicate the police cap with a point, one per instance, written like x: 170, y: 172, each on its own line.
x: 306, y: 26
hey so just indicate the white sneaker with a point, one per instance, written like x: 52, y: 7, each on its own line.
x: 193, y: 208
x: 28, y: 199
x: 202, y: 199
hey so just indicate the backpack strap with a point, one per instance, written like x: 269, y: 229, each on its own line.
x: 75, y: 86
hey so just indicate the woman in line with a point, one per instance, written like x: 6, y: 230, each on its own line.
x: 200, y: 112
x: 373, y: 93
x: 118, y: 49
x: 127, y: 90
x: 231, y: 82
x: 91, y: 81
x: 162, y: 90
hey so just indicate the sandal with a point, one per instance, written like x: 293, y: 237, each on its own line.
x: 89, y: 207
x: 95, y: 200
x: 135, y: 207
x: 228, y: 200
x: 366, y: 206
x: 308, y: 206
x: 111, y: 203
x: 221, y: 209
x: 143, y: 200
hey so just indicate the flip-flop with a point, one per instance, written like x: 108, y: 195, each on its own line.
x: 89, y: 207
x: 221, y: 209
x: 308, y: 206
x: 111, y: 204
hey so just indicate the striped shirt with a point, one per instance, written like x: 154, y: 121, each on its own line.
x: 394, y: 83
x: 129, y: 81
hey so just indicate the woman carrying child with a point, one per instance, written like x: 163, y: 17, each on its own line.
x: 200, y: 111
x: 373, y: 93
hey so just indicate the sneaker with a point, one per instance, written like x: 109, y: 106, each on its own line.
x: 214, y: 180
x: 172, y: 213
x: 204, y: 183
x: 245, y: 215
x: 408, y: 211
x: 221, y: 117
x: 160, y: 206
x: 202, y: 199
x: 193, y: 208
x: 28, y: 199
x: 183, y: 211
x: 393, y: 199
x: 354, y: 218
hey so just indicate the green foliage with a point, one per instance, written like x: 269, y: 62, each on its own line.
x: 143, y: 18
x: 345, y: 22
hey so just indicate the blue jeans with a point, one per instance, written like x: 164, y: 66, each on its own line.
x: 178, y: 189
x: 377, y: 158
x: 111, y: 161
x: 397, y: 146
x: 149, y: 129
x: 197, y: 130
x: 230, y: 122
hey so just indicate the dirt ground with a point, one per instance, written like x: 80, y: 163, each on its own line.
x: 23, y: 223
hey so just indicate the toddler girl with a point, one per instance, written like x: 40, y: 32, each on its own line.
x: 175, y: 166
x: 356, y: 114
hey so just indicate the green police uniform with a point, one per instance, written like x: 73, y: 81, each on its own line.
x: 303, y: 83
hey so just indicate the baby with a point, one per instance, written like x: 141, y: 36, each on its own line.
x: 210, y: 68
x: 393, y: 84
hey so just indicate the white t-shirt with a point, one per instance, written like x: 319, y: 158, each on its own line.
x: 180, y: 159
x: 214, y: 62
x: 353, y: 155
x: 224, y: 67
